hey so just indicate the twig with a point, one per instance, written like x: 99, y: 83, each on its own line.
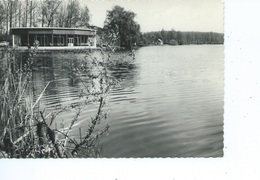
x: 70, y: 127
x: 55, y: 115
x: 21, y: 137
x: 40, y: 96
x: 94, y: 121
x: 73, y: 141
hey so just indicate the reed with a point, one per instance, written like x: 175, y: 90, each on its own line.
x: 15, y: 110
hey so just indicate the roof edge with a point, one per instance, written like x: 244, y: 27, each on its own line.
x: 53, y: 28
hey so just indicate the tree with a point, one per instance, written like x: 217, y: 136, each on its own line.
x: 164, y: 35
x: 2, y: 18
x: 32, y: 8
x: 121, y: 22
x: 73, y: 15
x: 26, y: 13
x: 49, y: 10
x: 61, y: 16
x: 84, y: 17
x: 19, y: 14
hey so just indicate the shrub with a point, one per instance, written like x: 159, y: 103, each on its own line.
x: 27, y: 130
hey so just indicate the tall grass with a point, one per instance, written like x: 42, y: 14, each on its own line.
x: 16, y: 113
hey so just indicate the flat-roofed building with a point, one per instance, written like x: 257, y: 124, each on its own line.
x: 53, y: 37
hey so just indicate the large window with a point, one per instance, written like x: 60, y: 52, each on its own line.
x: 43, y: 40
x: 58, y: 40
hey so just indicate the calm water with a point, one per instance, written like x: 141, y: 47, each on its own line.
x: 170, y: 103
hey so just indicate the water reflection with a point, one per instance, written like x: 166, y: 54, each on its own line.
x: 126, y: 73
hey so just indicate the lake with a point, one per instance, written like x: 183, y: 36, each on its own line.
x: 170, y: 102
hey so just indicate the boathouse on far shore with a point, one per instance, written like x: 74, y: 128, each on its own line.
x: 51, y: 37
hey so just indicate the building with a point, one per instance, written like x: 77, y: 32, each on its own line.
x: 159, y: 42
x: 53, y: 37
x: 99, y: 34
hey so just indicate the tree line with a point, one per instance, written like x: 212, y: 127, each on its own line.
x: 181, y: 38
x: 70, y: 13
x: 121, y: 23
x: 41, y: 13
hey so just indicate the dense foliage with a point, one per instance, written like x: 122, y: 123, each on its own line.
x: 181, y: 38
x: 121, y: 22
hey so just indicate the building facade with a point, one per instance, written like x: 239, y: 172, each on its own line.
x: 53, y: 37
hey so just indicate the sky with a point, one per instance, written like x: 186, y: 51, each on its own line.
x: 155, y: 15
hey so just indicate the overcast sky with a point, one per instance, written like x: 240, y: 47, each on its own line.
x: 154, y: 15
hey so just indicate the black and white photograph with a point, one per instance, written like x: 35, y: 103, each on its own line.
x: 111, y: 79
